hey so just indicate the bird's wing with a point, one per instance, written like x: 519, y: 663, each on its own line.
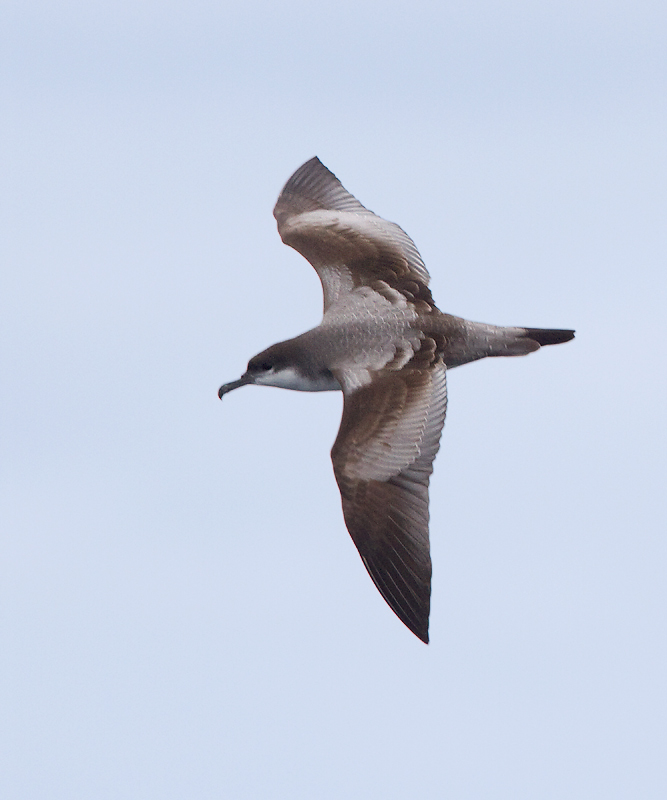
x: 348, y: 245
x: 383, y: 459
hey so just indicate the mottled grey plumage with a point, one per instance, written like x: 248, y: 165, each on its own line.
x: 383, y: 341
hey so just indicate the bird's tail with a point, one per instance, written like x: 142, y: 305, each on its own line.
x: 479, y: 340
x: 521, y: 341
x: 548, y: 335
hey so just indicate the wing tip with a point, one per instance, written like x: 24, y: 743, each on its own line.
x: 422, y: 636
x: 311, y: 187
x: 420, y: 629
x: 415, y: 620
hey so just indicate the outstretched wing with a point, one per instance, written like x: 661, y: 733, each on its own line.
x: 348, y: 245
x: 383, y: 459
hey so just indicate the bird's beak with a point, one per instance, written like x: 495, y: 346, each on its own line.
x: 227, y: 387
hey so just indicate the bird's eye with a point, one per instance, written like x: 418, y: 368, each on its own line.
x: 260, y: 366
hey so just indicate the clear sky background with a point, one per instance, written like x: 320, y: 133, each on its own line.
x: 183, y: 614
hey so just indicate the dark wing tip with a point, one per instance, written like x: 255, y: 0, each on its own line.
x: 396, y: 588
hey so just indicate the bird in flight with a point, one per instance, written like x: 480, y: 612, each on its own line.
x: 384, y: 344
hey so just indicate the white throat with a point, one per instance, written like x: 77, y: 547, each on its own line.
x: 290, y: 378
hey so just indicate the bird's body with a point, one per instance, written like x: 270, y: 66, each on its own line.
x: 385, y: 344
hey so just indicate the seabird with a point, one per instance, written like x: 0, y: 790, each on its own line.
x: 384, y: 344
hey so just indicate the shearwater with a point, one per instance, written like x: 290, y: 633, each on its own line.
x: 383, y: 343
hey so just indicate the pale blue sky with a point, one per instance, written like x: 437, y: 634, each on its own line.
x: 182, y: 612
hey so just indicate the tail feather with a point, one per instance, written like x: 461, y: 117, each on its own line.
x: 548, y: 336
x: 479, y: 340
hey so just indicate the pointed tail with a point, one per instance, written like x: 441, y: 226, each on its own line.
x: 548, y: 336
x: 479, y: 340
x: 521, y: 341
